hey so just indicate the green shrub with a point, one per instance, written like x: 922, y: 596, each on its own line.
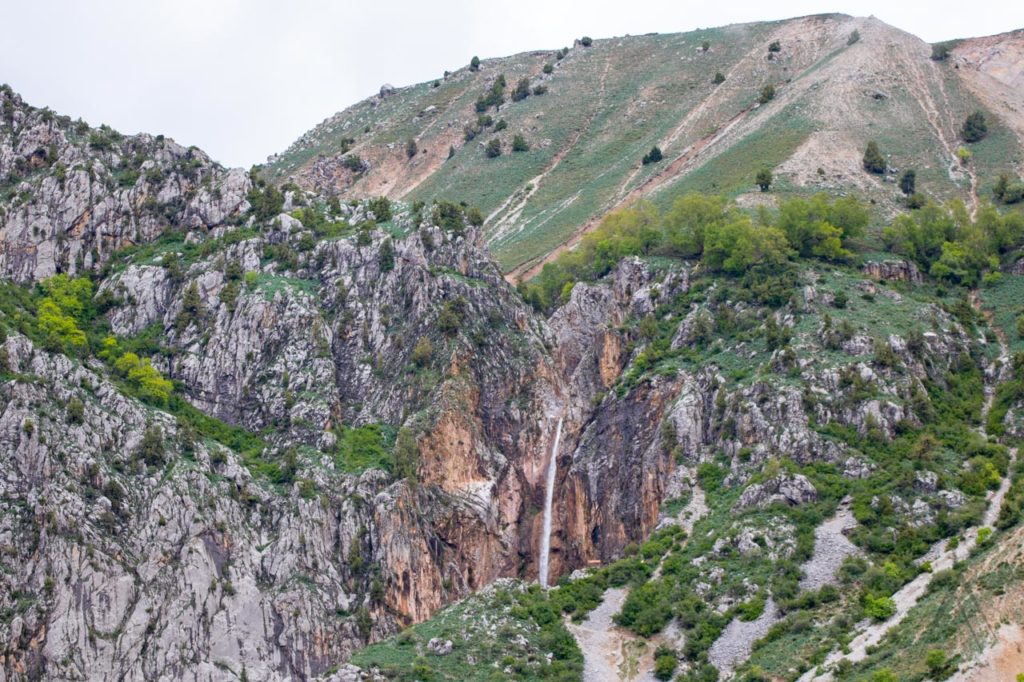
x: 493, y: 148
x: 854, y: 37
x: 719, y: 78
x: 653, y: 156
x: 474, y: 64
x: 975, y: 128
x: 879, y: 608
x: 151, y: 448
x: 764, y: 179
x: 775, y: 46
x: 422, y: 352
x: 411, y: 148
x: 519, y: 144
x: 767, y: 94
x: 548, y: 68
x: 522, y: 90
x: 873, y: 161
x: 586, y: 41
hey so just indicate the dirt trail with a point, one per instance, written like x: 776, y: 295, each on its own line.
x: 611, y: 653
x: 940, y: 556
x: 934, y: 112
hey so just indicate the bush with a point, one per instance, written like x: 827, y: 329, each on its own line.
x: 940, y: 51
x: 586, y: 41
x: 76, y: 411
x: 764, y: 179
x: 144, y: 379
x: 540, y: 89
x: 975, y: 128
x: 719, y: 78
x: 874, y: 162
x: 665, y: 665
x: 548, y: 68
x: 775, y: 46
x: 908, y: 182
x: 879, y: 608
x: 411, y: 148
x: 854, y: 37
x: 474, y: 64
x: 653, y: 156
x: 767, y: 94
x: 493, y: 148
x: 522, y: 90
x: 422, y: 352
x: 519, y: 144
x: 151, y: 449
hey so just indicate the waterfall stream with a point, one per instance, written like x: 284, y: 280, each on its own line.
x: 549, y: 492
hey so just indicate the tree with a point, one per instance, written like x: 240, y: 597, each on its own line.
x: 387, y: 256
x: 653, y: 156
x: 411, y: 149
x: 522, y: 90
x: 975, y: 127
x: 739, y: 245
x: 775, y: 46
x: 548, y: 68
x: 854, y: 37
x: 874, y: 162
x: 474, y: 63
x: 940, y: 51
x: 908, y: 182
x: 764, y: 179
x: 586, y: 41
x: 705, y: 46
x: 719, y: 78
x: 519, y: 144
x: 493, y: 148
x: 767, y: 94
x: 144, y: 379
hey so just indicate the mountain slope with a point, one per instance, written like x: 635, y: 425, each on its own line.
x: 608, y: 104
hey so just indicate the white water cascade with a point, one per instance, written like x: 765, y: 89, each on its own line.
x: 549, y: 493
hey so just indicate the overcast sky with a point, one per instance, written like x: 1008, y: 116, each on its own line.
x: 244, y: 78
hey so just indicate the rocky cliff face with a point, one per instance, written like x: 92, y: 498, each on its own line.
x: 73, y: 194
x: 142, y: 541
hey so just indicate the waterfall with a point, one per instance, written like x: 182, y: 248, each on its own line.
x: 549, y: 493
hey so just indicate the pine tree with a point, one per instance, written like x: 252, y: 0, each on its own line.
x: 874, y: 162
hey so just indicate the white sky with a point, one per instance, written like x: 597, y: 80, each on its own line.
x: 244, y: 78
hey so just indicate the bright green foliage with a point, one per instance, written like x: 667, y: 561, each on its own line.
x: 820, y: 228
x: 60, y: 330
x: 739, y: 245
x: 947, y: 243
x: 143, y: 378
x: 67, y: 304
x: 879, y: 608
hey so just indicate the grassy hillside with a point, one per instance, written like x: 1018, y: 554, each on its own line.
x: 608, y: 104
